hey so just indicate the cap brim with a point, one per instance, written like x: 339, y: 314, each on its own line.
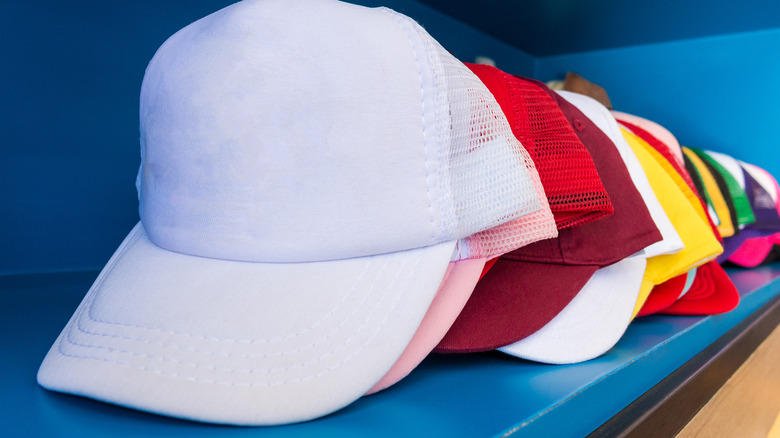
x: 455, y: 290
x: 241, y: 343
x: 664, y: 295
x: 512, y: 301
x: 752, y: 252
x: 592, y: 322
x: 712, y: 293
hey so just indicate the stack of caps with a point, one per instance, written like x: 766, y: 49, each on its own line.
x: 322, y: 206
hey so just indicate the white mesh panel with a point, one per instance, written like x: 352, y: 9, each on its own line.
x: 485, y: 177
x: 485, y: 189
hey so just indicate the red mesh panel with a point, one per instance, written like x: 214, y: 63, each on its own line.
x: 569, y: 177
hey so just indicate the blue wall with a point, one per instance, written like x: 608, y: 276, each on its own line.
x: 718, y: 93
x: 71, y: 75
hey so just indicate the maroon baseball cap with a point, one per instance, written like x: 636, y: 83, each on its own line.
x: 528, y: 287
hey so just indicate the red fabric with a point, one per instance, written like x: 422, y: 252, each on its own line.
x: 527, y: 287
x: 566, y: 169
x: 663, y: 295
x: 712, y: 292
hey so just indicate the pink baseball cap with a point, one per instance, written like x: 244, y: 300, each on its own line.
x: 763, y: 193
x: 656, y: 130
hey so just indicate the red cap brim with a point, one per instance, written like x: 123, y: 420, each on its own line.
x: 663, y: 295
x: 712, y: 292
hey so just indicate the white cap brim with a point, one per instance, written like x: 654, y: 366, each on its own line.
x: 455, y: 289
x: 241, y: 343
x: 592, y: 322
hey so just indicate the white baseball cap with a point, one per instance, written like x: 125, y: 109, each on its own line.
x: 596, y: 318
x: 308, y: 169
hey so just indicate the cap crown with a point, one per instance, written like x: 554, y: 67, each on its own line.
x: 303, y: 130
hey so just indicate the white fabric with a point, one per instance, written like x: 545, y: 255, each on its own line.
x: 340, y: 140
x: 265, y: 128
x: 601, y: 117
x: 592, y: 322
x: 237, y: 342
x: 731, y: 165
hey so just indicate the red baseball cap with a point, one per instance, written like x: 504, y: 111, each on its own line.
x: 569, y: 177
x: 528, y: 287
x: 712, y: 292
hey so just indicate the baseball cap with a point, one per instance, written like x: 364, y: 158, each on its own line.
x: 578, y: 84
x: 700, y: 245
x: 741, y: 206
x: 601, y: 117
x: 711, y: 293
x: 303, y: 188
x: 653, y: 129
x: 765, y: 224
x: 526, y: 288
x: 762, y: 190
x: 664, y: 295
x: 596, y: 318
x: 565, y: 167
x: 712, y: 193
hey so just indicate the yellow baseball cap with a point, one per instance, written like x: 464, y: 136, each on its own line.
x: 679, y: 202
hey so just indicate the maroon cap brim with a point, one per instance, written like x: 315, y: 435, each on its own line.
x: 535, y: 293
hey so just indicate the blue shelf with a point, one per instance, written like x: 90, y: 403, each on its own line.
x: 448, y: 395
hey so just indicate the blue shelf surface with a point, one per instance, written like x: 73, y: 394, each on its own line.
x: 472, y: 395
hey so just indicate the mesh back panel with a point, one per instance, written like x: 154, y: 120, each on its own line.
x: 570, y: 179
x: 476, y: 142
x: 470, y: 116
